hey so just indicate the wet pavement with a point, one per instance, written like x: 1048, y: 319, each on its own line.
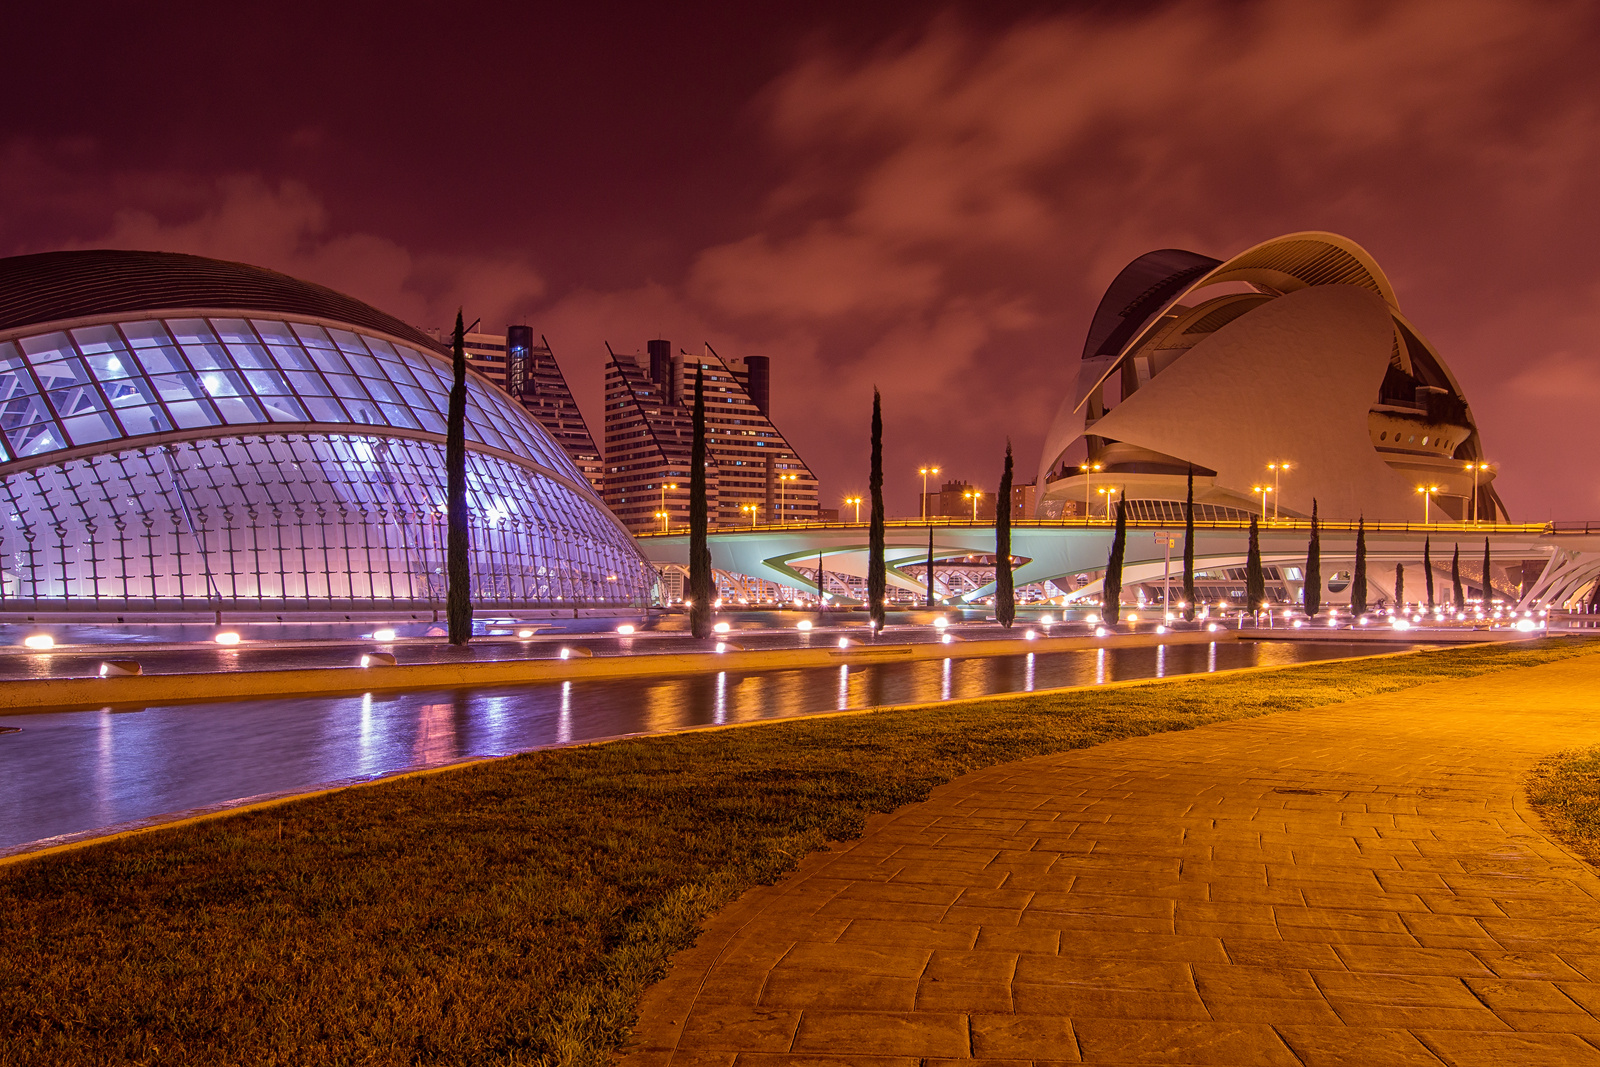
x: 70, y: 772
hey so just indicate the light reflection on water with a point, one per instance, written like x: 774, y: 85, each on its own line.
x: 67, y: 772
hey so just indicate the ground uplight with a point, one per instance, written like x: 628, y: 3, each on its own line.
x: 39, y: 641
x: 227, y: 637
x: 524, y: 633
x: 625, y: 628
x: 722, y: 627
x: 803, y: 624
x: 383, y: 635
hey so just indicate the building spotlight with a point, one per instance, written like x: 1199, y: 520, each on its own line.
x: 39, y: 642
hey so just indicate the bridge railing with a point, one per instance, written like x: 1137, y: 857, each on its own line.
x: 1489, y: 529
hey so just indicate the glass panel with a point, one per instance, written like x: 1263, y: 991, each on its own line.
x: 191, y: 331
x: 323, y: 409
x: 284, y: 409
x: 162, y: 360
x: 222, y: 383
x: 398, y: 415
x: 177, y: 386
x: 207, y: 357
x: 47, y: 346
x: 130, y: 391
x: 295, y: 358
x: 96, y: 339
x: 143, y: 419
x: 307, y: 383
x: 275, y: 334
x: 431, y: 421
x: 267, y: 382
x: 312, y: 336
x: 234, y: 331
x: 329, y: 361
x: 145, y: 334
x: 87, y: 429
x: 192, y: 414
x: 237, y: 410
x: 381, y: 390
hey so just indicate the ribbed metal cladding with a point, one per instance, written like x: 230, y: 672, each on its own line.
x: 56, y: 286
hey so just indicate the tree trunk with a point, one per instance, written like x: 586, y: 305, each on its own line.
x: 1455, y: 579
x: 1111, y: 587
x: 1005, y: 595
x: 1399, y: 587
x: 1188, y: 551
x: 930, y: 567
x: 702, y: 587
x: 1311, y: 592
x: 1255, y: 582
x: 1358, y: 578
x: 877, y: 577
x: 1427, y: 568
x: 1488, y: 586
x: 458, y: 553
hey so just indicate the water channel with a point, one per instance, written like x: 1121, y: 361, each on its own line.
x: 64, y: 773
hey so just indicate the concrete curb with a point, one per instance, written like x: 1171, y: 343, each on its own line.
x: 37, y: 694
x: 229, y: 808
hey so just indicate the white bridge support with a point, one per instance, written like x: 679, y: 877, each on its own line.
x: 1059, y: 551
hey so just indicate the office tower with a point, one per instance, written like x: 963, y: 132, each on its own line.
x: 752, y: 472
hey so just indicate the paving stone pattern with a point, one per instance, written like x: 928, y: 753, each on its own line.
x: 1362, y: 884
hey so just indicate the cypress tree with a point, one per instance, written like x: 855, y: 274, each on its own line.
x: 702, y: 588
x: 1455, y: 578
x: 1311, y: 594
x: 930, y: 566
x: 820, y: 590
x: 1427, y: 569
x: 1255, y: 582
x: 1188, y: 550
x: 1399, y: 587
x: 458, y: 549
x: 1005, y: 594
x: 1358, y: 579
x: 1488, y: 587
x: 877, y: 578
x: 1111, y: 586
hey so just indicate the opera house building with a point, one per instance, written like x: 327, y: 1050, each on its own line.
x: 1294, y: 351
x: 185, y: 434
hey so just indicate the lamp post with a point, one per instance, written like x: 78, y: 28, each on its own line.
x: 782, y: 478
x: 1263, y: 490
x: 1108, y: 492
x: 1277, y: 467
x: 751, y: 510
x: 973, y: 495
x: 1088, y: 470
x: 857, y: 502
x: 1475, y: 467
x: 925, y: 471
x: 666, y: 522
x: 1427, y: 492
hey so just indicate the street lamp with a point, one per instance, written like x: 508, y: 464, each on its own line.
x: 925, y: 471
x: 666, y: 523
x: 1427, y: 492
x: 781, y: 479
x: 1088, y: 470
x: 857, y: 502
x: 1263, y: 490
x: 973, y: 495
x: 751, y: 510
x: 1277, y: 467
x: 1108, y: 492
x: 1475, y: 467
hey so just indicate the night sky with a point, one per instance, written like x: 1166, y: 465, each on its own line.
x: 929, y: 199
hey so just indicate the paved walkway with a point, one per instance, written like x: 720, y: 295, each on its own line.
x: 1356, y: 885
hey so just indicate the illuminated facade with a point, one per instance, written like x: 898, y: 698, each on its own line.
x: 182, y: 434
x: 1294, y: 351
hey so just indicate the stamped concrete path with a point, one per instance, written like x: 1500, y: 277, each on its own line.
x: 1361, y: 884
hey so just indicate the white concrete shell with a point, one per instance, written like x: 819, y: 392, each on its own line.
x: 1294, y: 350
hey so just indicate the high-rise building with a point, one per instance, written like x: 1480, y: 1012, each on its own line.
x: 752, y: 473
x: 529, y: 373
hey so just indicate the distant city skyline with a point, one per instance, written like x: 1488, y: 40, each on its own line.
x: 928, y: 202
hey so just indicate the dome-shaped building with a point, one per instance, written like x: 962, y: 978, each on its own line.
x: 1294, y: 351
x: 180, y: 434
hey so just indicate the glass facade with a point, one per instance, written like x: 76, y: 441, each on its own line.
x: 331, y: 491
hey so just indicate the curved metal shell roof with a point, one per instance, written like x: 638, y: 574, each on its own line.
x: 59, y: 286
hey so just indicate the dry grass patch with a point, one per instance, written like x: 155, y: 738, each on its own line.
x: 513, y: 912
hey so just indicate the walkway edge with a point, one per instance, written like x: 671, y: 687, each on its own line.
x: 26, y: 852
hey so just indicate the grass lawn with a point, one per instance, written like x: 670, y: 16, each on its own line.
x: 513, y: 912
x: 1565, y: 790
